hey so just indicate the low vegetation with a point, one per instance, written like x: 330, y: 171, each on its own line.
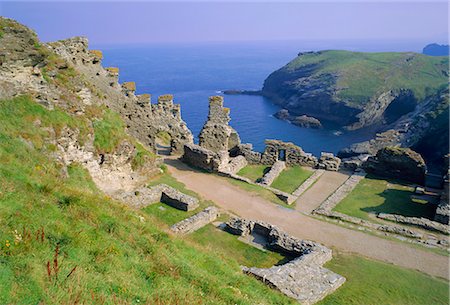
x: 291, y: 178
x: 254, y: 172
x: 372, y: 282
x: 374, y: 195
x: 362, y: 75
x: 64, y: 242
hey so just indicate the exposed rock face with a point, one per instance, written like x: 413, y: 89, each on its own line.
x: 443, y: 209
x: 196, y: 221
x: 273, y: 173
x: 303, y: 278
x: 216, y: 134
x: 301, y: 121
x: 329, y: 162
x: 346, y: 88
x: 400, y: 163
x: 293, y: 155
x: 425, y: 130
x: 145, y: 196
x: 144, y: 120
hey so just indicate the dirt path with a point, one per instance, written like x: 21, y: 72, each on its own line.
x: 321, y: 190
x: 249, y: 205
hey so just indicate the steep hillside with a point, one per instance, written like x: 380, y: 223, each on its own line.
x: 356, y: 89
x: 65, y: 153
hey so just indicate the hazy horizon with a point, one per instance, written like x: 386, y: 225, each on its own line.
x: 412, y: 24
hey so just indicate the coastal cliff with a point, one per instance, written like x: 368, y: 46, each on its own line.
x: 403, y: 95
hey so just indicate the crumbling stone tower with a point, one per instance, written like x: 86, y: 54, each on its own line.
x: 216, y: 135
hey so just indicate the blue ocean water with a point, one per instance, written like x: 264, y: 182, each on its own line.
x: 194, y: 72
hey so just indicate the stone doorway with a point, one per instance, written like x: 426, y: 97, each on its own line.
x: 282, y: 155
x: 163, y: 143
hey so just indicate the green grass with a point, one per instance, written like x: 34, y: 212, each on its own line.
x: 373, y: 282
x: 254, y: 172
x: 374, y: 195
x: 118, y: 257
x: 109, y: 132
x: 291, y: 178
x: 362, y: 75
x: 164, y: 138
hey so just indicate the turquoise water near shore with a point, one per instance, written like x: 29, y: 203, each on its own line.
x: 194, y: 72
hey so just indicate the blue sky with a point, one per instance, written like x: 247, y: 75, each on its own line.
x: 150, y: 21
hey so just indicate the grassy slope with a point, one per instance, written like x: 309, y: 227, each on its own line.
x: 291, y: 178
x: 361, y: 75
x: 373, y: 195
x: 118, y: 257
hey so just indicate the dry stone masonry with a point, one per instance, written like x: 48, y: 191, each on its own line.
x: 308, y: 182
x: 144, y: 120
x: 145, y: 196
x: 196, y: 221
x: 273, y: 173
x: 216, y: 134
x: 285, y: 151
x: 329, y: 162
x: 303, y: 278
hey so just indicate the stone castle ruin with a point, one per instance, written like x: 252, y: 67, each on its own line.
x: 144, y: 120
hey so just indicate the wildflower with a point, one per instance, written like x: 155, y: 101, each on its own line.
x: 7, y: 244
x: 17, y: 237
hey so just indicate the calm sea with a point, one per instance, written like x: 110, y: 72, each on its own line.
x: 194, y: 72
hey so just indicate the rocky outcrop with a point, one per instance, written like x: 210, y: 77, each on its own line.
x: 346, y: 88
x: 196, y: 221
x: 425, y: 130
x: 301, y: 121
x: 143, y: 119
x: 303, y: 278
x: 399, y: 163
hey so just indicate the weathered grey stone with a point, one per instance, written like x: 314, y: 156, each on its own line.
x: 196, y: 221
x: 340, y: 193
x: 285, y: 151
x: 308, y: 182
x: 143, y: 119
x: 303, y: 278
x: 145, y: 196
x: 203, y: 158
x: 235, y: 164
x: 239, y: 226
x: 416, y: 221
x: 273, y: 173
x: 329, y: 162
x: 396, y: 162
x: 246, y: 150
x: 443, y: 209
x: 216, y: 135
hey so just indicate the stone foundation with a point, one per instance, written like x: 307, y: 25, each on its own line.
x: 329, y: 162
x: 285, y: 151
x: 303, y: 278
x: 203, y: 158
x: 145, y: 196
x: 196, y: 221
x: 273, y: 173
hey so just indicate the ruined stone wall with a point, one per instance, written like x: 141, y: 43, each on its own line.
x: 144, y: 120
x: 203, y: 158
x: 216, y: 135
x: 294, y: 155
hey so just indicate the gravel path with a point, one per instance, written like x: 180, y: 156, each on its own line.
x: 249, y: 205
x: 321, y: 190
